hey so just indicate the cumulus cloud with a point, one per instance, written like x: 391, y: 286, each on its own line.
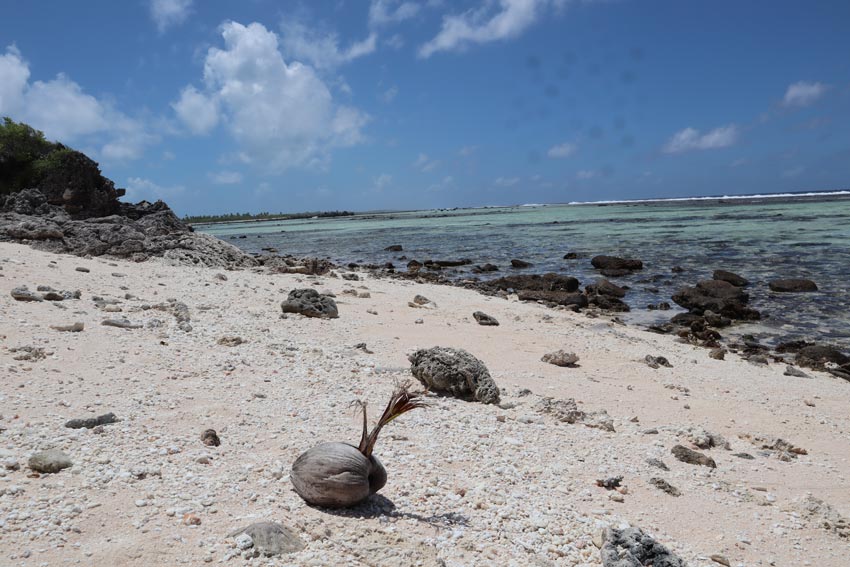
x: 425, y: 163
x: 491, y: 21
x: 693, y: 139
x: 168, y: 13
x: 389, y: 95
x: 803, y: 93
x: 320, y: 49
x: 385, y: 12
x: 196, y: 110
x: 562, y: 150
x: 280, y: 114
x: 139, y: 189
x: 64, y: 112
x: 226, y: 177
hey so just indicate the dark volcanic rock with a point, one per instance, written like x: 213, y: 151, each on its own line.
x: 546, y: 282
x: 692, y: 457
x: 445, y: 263
x: 456, y: 372
x: 818, y: 356
x: 794, y: 285
x: 604, y: 287
x: 555, y: 297
x: 394, y: 248
x: 730, y: 277
x: 520, y: 264
x: 309, y: 303
x: 615, y: 263
x: 630, y: 547
x: 485, y: 320
x: 91, y: 422
x: 717, y: 296
x: 485, y: 268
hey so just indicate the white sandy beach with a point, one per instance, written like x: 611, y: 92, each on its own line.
x: 469, y: 484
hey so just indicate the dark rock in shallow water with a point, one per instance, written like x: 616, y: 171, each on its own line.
x: 92, y: 422
x: 309, y: 303
x: 555, y: 297
x: 608, y: 303
x: 456, y: 372
x: 545, y: 282
x: 631, y: 547
x: 485, y: 268
x: 615, y: 263
x: 485, y: 320
x: 717, y: 296
x: 394, y: 248
x: 614, y: 272
x: 818, y: 357
x: 692, y: 457
x: 519, y: 264
x: 796, y: 285
x: 572, y: 256
x: 730, y: 277
x: 445, y: 263
x: 604, y: 287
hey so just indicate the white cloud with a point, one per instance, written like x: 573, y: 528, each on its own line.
x: 320, y: 49
x: 562, y: 150
x: 281, y: 114
x: 586, y: 174
x: 139, y: 189
x: 167, y: 13
x: 425, y: 163
x: 196, y: 110
x: 226, y: 177
x: 384, y: 12
x: 486, y: 23
x: 381, y: 182
x: 389, y: 95
x: 693, y: 139
x: 803, y: 94
x: 506, y: 181
x: 395, y: 41
x: 64, y: 112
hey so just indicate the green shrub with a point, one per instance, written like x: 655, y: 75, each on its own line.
x: 25, y: 154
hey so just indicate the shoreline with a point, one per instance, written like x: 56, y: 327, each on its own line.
x: 496, y: 484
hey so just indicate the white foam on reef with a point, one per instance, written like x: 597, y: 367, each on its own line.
x: 716, y: 198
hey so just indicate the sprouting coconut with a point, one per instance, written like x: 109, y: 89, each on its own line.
x: 339, y: 475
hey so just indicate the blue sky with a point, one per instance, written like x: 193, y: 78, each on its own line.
x: 218, y: 106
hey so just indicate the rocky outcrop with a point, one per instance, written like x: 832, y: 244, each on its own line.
x: 536, y: 282
x: 730, y: 277
x: 613, y: 266
x: 606, y: 295
x: 310, y: 303
x: 793, y: 285
x: 455, y: 372
x: 717, y: 296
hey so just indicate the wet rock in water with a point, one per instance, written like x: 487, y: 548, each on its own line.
x: 795, y: 372
x: 818, y: 357
x: 74, y: 328
x: 730, y: 277
x: 23, y: 293
x: 485, y: 320
x: 566, y: 411
x: 92, y: 422
x: 456, y: 372
x: 394, y: 248
x: 660, y: 306
x: 717, y: 353
x: 49, y: 461
x: 309, y: 303
x: 664, y: 486
x: 438, y: 264
x: 793, y: 285
x: 717, y: 296
x: 692, y: 457
x: 604, y: 287
x: 210, y: 438
x: 268, y: 539
x: 554, y: 297
x: 230, y: 341
x: 658, y: 463
x: 572, y: 256
x: 485, y: 268
x: 120, y: 323
x: 603, y: 262
x: 561, y: 358
x: 609, y: 483
x: 520, y: 264
x: 826, y: 516
x: 657, y: 361
x: 534, y: 282
x: 631, y: 547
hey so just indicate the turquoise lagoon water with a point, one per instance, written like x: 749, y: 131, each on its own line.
x: 759, y: 238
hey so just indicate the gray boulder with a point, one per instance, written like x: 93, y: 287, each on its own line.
x: 631, y: 547
x: 49, y: 461
x: 793, y: 285
x: 310, y: 303
x: 485, y: 320
x: 455, y: 372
